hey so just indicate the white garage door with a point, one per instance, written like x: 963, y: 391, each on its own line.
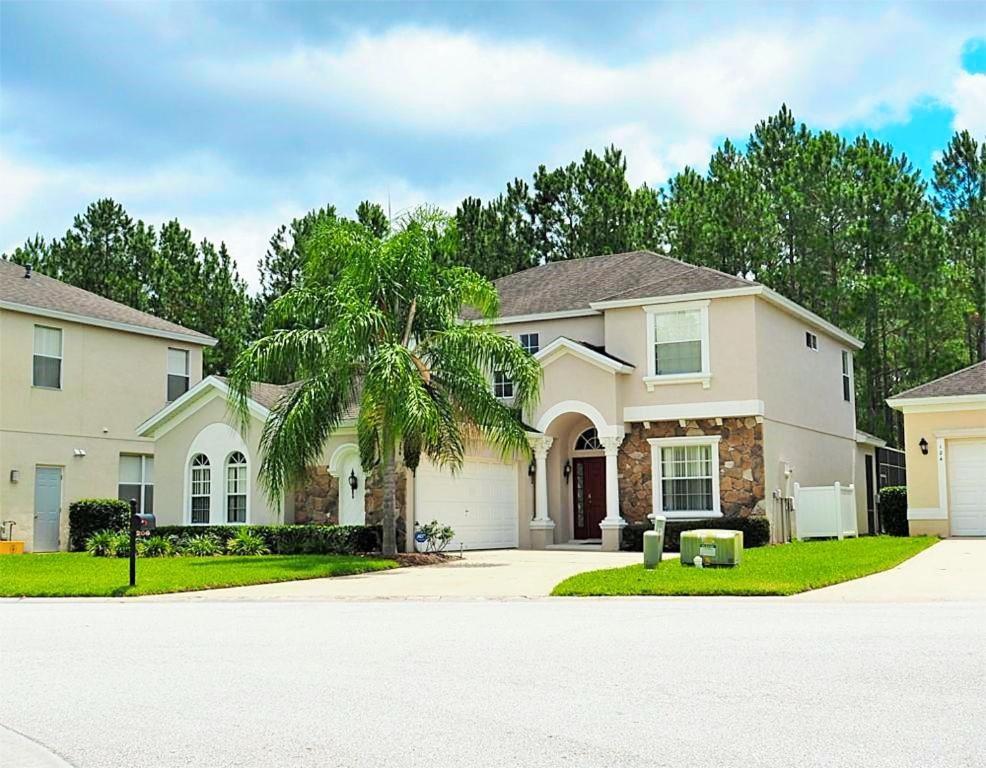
x: 479, y: 502
x: 967, y: 487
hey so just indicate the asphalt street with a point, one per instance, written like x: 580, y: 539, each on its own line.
x: 494, y: 683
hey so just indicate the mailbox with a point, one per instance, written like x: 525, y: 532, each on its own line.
x: 143, y: 523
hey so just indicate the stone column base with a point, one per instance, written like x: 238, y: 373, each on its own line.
x: 612, y: 534
x: 542, y: 533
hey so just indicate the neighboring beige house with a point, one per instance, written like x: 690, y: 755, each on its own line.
x: 667, y: 388
x: 79, y: 373
x: 945, y: 442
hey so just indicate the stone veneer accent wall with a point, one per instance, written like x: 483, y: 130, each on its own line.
x: 741, y: 478
x: 317, y: 500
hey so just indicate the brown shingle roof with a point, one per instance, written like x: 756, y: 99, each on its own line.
x: 968, y: 381
x: 569, y: 285
x: 267, y: 395
x: 46, y: 293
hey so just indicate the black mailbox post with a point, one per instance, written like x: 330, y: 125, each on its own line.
x: 139, y: 523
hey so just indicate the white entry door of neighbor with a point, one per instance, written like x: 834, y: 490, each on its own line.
x: 352, y: 504
x: 47, y: 508
x: 967, y: 487
x: 479, y: 502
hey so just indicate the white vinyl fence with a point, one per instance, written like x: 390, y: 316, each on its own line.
x: 827, y: 511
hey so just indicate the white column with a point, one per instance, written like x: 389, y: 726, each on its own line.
x: 612, y: 525
x: 541, y: 445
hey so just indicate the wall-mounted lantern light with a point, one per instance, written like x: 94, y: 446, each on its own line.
x: 923, y: 445
x: 15, y: 476
x: 531, y: 471
x: 567, y: 470
x: 353, y: 482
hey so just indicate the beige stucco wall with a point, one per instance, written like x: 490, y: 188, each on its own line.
x: 111, y: 382
x: 800, y: 386
x: 569, y: 378
x: 923, y: 498
x: 589, y: 329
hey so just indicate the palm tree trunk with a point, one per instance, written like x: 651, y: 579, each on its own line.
x: 389, y: 543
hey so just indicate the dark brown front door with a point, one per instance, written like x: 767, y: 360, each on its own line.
x: 589, y: 496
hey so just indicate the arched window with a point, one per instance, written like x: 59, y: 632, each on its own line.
x: 236, y: 488
x: 588, y: 441
x: 201, y: 489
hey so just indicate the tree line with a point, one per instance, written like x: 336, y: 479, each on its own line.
x: 847, y: 228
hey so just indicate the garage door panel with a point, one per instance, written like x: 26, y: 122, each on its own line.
x: 967, y: 487
x: 479, y: 502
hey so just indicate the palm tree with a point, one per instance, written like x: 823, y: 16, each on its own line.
x: 377, y: 322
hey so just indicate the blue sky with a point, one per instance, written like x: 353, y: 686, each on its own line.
x: 236, y: 117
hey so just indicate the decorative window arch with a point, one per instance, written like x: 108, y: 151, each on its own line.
x: 200, y: 489
x: 588, y: 440
x: 236, y: 488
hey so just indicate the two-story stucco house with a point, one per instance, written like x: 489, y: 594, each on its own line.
x: 78, y: 373
x: 667, y: 388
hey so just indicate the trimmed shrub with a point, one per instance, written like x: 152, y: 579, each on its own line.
x: 893, y: 510
x: 756, y: 531
x: 89, y: 516
x: 308, y: 539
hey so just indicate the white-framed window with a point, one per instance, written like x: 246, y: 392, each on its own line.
x: 846, y: 376
x: 200, y: 489
x: 811, y: 341
x: 503, y: 387
x: 136, y: 481
x: 678, y: 343
x: 178, y: 377
x: 588, y: 440
x: 685, y: 474
x: 531, y: 342
x: 47, y: 369
x: 236, y: 488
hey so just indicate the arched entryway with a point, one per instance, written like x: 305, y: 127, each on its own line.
x: 345, y: 465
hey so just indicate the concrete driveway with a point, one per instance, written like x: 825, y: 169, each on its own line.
x: 951, y: 570
x: 493, y: 573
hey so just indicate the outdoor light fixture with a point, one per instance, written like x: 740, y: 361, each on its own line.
x: 567, y: 470
x: 353, y: 482
x: 15, y: 475
x: 923, y: 445
x: 531, y: 471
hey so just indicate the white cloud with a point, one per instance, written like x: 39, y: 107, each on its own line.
x: 968, y: 99
x: 832, y: 71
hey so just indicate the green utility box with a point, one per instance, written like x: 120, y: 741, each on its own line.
x: 715, y: 547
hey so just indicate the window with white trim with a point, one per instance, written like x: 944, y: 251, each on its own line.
x: 531, y: 342
x: 236, y: 488
x: 136, y: 481
x: 178, y: 377
x: 686, y: 476
x: 678, y: 343
x: 811, y: 341
x: 200, y: 489
x: 503, y: 387
x: 47, y: 357
x: 846, y: 376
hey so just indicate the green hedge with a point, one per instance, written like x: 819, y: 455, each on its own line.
x: 290, y: 539
x: 89, y: 516
x: 756, y: 531
x: 893, y: 510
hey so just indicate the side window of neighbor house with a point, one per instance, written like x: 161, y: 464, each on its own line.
x: 47, y: 357
x: 811, y: 341
x: 531, y: 342
x: 136, y: 482
x: 846, y: 376
x: 177, y: 373
x: 677, y: 342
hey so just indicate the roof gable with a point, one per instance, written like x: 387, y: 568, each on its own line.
x: 590, y: 353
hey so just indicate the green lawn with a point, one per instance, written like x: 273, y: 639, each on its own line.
x: 66, y: 574
x: 779, y: 570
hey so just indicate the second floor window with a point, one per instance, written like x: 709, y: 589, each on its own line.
x: 846, y: 376
x: 677, y: 342
x: 503, y: 387
x: 531, y: 342
x: 177, y: 373
x: 47, y: 357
